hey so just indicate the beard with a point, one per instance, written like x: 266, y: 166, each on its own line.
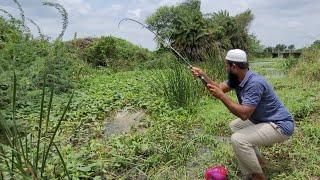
x: 233, y: 80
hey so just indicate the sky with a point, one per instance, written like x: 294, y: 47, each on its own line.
x: 275, y: 21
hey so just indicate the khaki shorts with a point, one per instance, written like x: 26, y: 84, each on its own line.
x: 247, y: 137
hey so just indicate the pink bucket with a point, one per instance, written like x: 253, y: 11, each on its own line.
x: 216, y: 173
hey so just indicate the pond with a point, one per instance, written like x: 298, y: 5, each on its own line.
x: 266, y: 68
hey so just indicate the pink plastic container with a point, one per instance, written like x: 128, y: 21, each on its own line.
x: 216, y: 173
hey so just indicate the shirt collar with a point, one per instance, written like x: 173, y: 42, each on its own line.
x: 245, y: 79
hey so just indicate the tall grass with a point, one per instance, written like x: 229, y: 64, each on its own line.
x: 289, y: 63
x: 214, y: 65
x: 178, y: 86
x: 26, y: 154
x: 22, y: 154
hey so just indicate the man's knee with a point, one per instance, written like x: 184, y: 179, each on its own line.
x: 234, y: 125
x: 237, y: 139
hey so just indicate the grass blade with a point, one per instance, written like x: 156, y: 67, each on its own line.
x: 4, y: 155
x: 40, y: 121
x: 55, y: 132
x: 62, y: 161
x: 49, y: 107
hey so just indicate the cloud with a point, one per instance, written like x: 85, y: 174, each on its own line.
x: 135, y: 12
x: 294, y: 24
x: 78, y: 6
x: 116, y: 7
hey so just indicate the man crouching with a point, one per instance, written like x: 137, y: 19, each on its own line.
x: 263, y: 119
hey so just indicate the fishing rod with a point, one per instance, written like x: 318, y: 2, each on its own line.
x: 205, y: 79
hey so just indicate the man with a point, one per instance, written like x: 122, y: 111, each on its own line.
x: 263, y: 119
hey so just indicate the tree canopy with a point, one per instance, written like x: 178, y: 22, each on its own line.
x: 195, y: 34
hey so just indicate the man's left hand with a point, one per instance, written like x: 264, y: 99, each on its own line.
x: 215, y: 91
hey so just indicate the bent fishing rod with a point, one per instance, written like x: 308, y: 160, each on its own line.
x: 205, y: 80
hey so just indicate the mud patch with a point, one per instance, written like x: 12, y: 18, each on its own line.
x: 122, y: 121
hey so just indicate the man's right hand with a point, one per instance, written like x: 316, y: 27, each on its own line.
x: 196, y: 71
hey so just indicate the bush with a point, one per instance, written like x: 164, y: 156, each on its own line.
x: 310, y: 71
x: 116, y: 53
x: 160, y: 60
x: 290, y: 63
x: 28, y: 58
x: 309, y: 65
x: 9, y: 32
x: 100, y: 52
x: 60, y: 66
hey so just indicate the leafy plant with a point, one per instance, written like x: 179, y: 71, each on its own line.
x: 290, y: 62
x: 101, y: 52
x: 309, y: 65
x: 115, y: 53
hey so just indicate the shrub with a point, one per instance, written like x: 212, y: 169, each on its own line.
x: 116, y: 53
x: 100, y: 52
x: 9, y: 32
x: 160, y: 60
x: 309, y: 65
x: 60, y: 67
x: 290, y: 63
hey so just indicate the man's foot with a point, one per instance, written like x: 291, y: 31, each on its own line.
x: 254, y: 176
x: 258, y: 176
x: 262, y: 161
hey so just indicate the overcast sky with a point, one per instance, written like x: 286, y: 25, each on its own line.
x: 276, y: 21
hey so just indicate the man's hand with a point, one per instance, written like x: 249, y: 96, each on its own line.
x: 196, y: 72
x: 216, y: 91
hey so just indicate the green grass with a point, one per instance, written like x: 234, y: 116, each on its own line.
x: 177, y: 139
x: 174, y: 143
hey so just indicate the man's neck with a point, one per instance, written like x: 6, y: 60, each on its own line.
x: 242, y: 75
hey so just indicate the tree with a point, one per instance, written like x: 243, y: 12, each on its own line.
x: 280, y: 47
x: 291, y: 47
x: 268, y: 49
x: 195, y: 35
x: 162, y: 21
x: 316, y: 44
x: 183, y: 27
x: 255, y: 45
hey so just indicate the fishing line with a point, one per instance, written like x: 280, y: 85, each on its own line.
x: 163, y: 42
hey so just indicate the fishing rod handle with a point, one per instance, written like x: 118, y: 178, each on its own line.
x: 204, y: 79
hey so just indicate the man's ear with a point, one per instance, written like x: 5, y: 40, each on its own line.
x: 233, y: 65
x: 236, y: 67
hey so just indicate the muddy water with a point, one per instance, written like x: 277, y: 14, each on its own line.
x: 262, y: 68
x: 122, y: 121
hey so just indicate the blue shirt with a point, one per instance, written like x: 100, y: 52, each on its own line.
x: 255, y: 91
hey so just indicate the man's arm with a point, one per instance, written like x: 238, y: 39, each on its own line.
x: 198, y: 72
x: 242, y: 111
x: 224, y: 87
